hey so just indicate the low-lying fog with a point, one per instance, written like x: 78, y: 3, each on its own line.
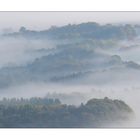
x: 129, y: 50
x: 21, y: 51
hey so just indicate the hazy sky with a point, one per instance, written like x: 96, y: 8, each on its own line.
x: 43, y: 20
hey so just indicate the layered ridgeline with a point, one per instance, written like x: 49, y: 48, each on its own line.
x: 49, y: 113
x: 72, y: 64
x: 82, y: 55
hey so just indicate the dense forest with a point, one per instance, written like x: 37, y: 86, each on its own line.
x: 51, y: 113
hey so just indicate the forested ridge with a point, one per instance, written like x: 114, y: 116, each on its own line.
x: 84, y: 30
x: 51, y: 113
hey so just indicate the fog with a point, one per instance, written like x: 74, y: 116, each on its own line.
x: 15, y: 52
x: 130, y: 51
x: 21, y: 51
x: 127, y: 50
x: 101, y: 75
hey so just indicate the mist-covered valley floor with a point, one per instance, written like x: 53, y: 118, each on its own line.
x: 92, y: 69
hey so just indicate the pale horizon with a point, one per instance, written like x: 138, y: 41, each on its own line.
x: 44, y: 20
